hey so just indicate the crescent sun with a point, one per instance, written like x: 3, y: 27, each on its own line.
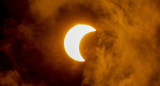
x: 73, y: 38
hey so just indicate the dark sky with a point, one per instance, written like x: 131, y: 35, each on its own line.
x: 124, y: 51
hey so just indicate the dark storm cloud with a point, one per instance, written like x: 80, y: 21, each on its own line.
x: 124, y: 50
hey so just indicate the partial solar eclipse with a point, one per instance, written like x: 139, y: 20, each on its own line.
x: 73, y: 38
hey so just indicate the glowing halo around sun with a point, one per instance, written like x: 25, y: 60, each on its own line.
x: 73, y: 38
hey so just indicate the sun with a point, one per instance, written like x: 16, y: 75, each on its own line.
x: 73, y: 38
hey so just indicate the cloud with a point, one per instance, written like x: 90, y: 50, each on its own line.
x: 9, y: 79
x: 124, y: 51
x: 13, y: 78
x: 127, y: 54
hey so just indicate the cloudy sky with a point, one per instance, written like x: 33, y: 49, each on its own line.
x: 124, y: 51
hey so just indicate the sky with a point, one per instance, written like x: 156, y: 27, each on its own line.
x: 124, y: 50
